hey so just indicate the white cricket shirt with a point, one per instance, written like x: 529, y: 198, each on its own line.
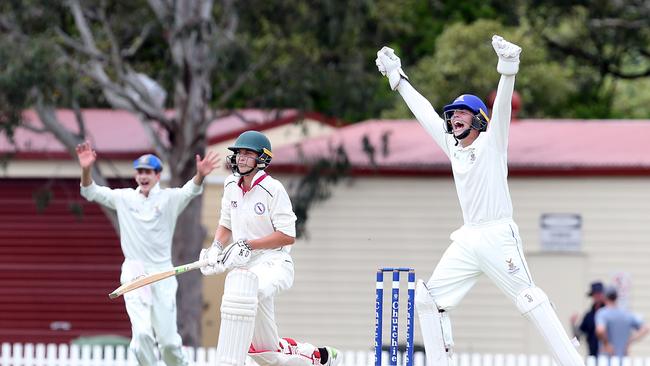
x: 264, y: 209
x: 481, y: 169
x: 146, y: 223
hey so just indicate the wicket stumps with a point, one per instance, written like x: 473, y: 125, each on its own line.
x: 394, y: 325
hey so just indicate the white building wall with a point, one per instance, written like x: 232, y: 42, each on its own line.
x: 372, y: 222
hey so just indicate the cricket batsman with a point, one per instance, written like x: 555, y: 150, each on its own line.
x: 147, y: 218
x: 489, y: 241
x: 258, y: 220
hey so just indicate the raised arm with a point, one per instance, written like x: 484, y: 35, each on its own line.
x: 89, y: 190
x: 508, y: 66
x: 86, y: 156
x: 194, y: 186
x: 389, y: 65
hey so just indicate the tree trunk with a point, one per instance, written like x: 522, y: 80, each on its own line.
x: 187, y: 243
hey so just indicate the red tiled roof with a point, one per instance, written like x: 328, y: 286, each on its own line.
x: 554, y: 147
x: 119, y: 133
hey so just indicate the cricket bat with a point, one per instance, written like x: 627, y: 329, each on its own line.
x: 155, y: 277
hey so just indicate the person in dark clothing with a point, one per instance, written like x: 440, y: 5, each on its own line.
x: 587, y: 326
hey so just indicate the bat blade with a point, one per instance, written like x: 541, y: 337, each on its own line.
x: 155, y: 277
x: 141, y: 282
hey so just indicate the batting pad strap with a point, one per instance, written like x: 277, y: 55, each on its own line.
x: 530, y: 298
x: 445, y: 323
x: 239, y: 305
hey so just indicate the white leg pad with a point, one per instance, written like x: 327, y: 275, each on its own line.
x: 534, y: 305
x: 431, y: 324
x: 238, y: 310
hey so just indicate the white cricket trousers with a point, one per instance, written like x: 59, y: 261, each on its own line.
x: 152, y: 311
x: 275, y: 272
x: 493, y: 248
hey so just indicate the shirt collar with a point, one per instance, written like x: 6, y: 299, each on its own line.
x: 153, y: 190
x: 259, y: 176
x: 471, y: 146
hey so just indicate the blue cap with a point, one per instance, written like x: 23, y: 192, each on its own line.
x: 148, y: 161
x: 596, y: 287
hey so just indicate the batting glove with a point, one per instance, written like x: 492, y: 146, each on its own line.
x: 508, y: 55
x: 390, y: 65
x: 236, y: 254
x: 213, y: 255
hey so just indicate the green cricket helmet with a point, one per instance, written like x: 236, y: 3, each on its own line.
x: 253, y: 141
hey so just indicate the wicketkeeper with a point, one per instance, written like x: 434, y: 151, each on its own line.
x: 489, y: 241
x: 256, y: 214
x: 147, y: 218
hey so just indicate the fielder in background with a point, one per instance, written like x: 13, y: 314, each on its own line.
x: 147, y: 217
x: 489, y: 241
x: 587, y: 325
x: 257, y: 215
x: 617, y: 328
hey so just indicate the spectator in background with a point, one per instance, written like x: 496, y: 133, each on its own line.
x: 617, y: 328
x: 587, y: 325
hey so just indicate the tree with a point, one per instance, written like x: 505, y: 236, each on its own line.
x: 464, y: 62
x: 98, y: 45
x: 604, y: 41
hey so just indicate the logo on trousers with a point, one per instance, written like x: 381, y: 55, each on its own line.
x: 512, y: 268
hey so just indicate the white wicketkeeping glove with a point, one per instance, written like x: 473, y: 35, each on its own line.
x: 390, y: 65
x: 213, y: 255
x: 236, y: 254
x: 508, y: 55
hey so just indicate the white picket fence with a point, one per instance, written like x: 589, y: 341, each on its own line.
x: 29, y: 354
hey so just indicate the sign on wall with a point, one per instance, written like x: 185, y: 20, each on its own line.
x: 561, y: 232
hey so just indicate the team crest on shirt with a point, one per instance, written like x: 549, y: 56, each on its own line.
x: 466, y: 155
x: 233, y: 204
x: 512, y: 268
x: 260, y: 208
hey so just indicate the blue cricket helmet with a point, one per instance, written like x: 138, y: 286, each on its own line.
x: 148, y: 161
x: 470, y: 103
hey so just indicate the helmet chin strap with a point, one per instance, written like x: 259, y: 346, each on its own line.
x: 242, y: 174
x: 462, y: 135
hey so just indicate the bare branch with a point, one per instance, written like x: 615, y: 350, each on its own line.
x: 112, y: 40
x: 82, y: 25
x: 73, y: 44
x: 138, y: 41
x: 81, y: 125
x: 33, y: 128
x: 228, y: 22
x: 241, y: 80
x: 47, y: 115
x: 619, y: 23
x: 162, y: 9
x: 118, y: 96
x: 161, y: 148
